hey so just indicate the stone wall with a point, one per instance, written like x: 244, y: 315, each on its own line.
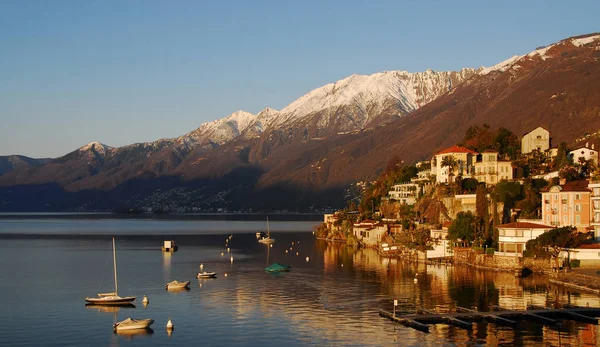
x: 538, y: 264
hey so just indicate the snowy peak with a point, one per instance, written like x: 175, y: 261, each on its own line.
x: 96, y: 146
x: 542, y: 53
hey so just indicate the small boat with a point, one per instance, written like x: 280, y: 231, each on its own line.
x: 133, y: 324
x: 178, y: 285
x: 206, y: 274
x: 111, y: 298
x: 266, y: 239
x: 276, y: 267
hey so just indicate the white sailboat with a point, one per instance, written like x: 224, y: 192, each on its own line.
x: 133, y: 324
x: 267, y: 239
x: 111, y: 298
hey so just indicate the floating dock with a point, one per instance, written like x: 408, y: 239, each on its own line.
x: 169, y: 246
x: 464, y: 318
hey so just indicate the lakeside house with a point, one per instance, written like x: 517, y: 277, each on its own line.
x: 594, y: 188
x: 404, y: 193
x: 512, y: 237
x: 537, y: 139
x: 489, y: 169
x: 441, y: 244
x: 369, y: 232
x: 464, y: 158
x: 567, y: 204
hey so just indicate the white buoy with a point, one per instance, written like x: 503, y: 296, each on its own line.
x: 201, y: 267
x: 170, y: 324
x: 271, y: 245
x: 227, y: 249
x: 222, y: 254
x: 231, y: 259
x: 145, y: 301
x: 286, y: 251
x: 342, y: 265
x: 225, y: 274
x: 416, y: 280
x: 307, y: 259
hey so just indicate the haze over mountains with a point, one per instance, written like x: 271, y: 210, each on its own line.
x: 308, y: 153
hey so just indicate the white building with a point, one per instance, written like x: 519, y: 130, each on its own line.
x: 538, y: 138
x: 512, y: 237
x: 490, y: 170
x: 464, y: 158
x: 405, y: 193
x: 584, y: 152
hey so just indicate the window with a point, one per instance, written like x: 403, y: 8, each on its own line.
x: 577, y: 196
x: 501, y: 232
x: 555, y: 196
x: 519, y: 233
x: 565, y: 219
x: 548, y: 219
x: 565, y: 208
x: 578, y: 208
x: 578, y: 219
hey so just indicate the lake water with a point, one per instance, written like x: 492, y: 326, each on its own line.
x: 49, y: 265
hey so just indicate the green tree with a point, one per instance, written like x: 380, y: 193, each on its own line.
x: 562, y: 157
x: 482, y: 212
x: 450, y: 162
x: 554, y: 240
x: 462, y: 228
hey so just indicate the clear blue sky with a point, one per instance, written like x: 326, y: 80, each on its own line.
x: 121, y: 72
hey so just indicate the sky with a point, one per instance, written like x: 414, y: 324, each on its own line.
x: 121, y: 72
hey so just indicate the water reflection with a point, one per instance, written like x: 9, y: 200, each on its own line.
x: 130, y: 334
x: 109, y: 308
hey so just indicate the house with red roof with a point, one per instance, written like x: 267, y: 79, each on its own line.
x: 512, y: 237
x: 464, y: 159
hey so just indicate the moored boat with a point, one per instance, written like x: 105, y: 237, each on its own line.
x: 206, y: 274
x: 276, y: 267
x: 133, y: 324
x: 178, y: 285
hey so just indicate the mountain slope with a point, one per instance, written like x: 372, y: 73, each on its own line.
x: 12, y: 162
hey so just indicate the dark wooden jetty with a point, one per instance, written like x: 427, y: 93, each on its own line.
x: 464, y: 318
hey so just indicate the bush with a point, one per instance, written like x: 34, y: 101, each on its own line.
x: 478, y: 250
x: 574, y: 263
x: 490, y: 251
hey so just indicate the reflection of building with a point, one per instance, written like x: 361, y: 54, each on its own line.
x: 567, y: 204
x: 538, y: 138
x: 512, y: 237
x: 490, y: 170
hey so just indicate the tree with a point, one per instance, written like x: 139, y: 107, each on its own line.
x: 482, y: 213
x: 462, y: 228
x: 507, y: 143
x: 469, y: 185
x: 450, y: 162
x: 419, y: 239
x: 554, y: 240
x: 562, y: 157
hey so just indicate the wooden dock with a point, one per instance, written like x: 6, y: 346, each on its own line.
x: 464, y: 318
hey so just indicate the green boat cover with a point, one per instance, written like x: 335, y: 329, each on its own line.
x: 276, y: 267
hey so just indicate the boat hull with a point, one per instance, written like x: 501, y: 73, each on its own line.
x: 206, y: 275
x: 133, y: 324
x: 267, y: 241
x: 180, y: 285
x: 111, y: 301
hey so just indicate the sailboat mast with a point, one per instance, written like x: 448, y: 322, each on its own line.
x: 115, y: 266
x: 268, y: 229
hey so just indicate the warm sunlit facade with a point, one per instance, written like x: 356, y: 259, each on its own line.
x: 567, y: 205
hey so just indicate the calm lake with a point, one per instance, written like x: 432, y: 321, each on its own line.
x: 49, y: 265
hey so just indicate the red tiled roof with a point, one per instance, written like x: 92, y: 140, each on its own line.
x: 590, y: 246
x: 456, y: 149
x: 524, y: 225
x: 575, y: 186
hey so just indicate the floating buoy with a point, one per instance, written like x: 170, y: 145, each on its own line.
x: 292, y: 243
x: 200, y: 285
x: 231, y: 259
x: 297, y: 241
x: 227, y: 249
x: 225, y: 274
x: 416, y: 280
x: 291, y: 248
x: 170, y: 324
x: 201, y: 267
x: 271, y: 245
x: 145, y: 301
x: 296, y: 253
x: 342, y: 265
x: 286, y: 251
x: 222, y: 254
x: 307, y: 259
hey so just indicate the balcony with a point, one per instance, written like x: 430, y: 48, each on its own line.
x: 547, y: 201
x: 564, y: 201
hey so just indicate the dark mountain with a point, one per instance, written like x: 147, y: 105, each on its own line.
x: 306, y: 154
x: 13, y: 162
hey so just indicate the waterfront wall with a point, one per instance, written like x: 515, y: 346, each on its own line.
x: 500, y: 262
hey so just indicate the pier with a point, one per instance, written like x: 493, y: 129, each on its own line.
x: 464, y: 317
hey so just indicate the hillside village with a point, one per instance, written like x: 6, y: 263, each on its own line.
x: 492, y: 200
